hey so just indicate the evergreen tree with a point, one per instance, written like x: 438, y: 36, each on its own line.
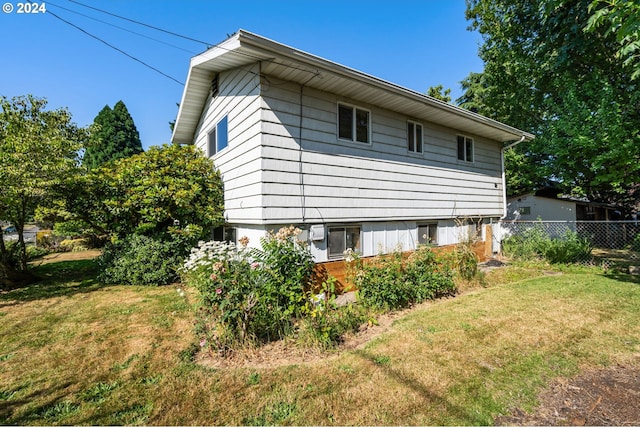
x: 116, y: 137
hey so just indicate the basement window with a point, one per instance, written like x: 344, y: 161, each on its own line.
x: 343, y: 238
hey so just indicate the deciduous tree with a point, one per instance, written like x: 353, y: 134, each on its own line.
x: 38, y: 151
x: 550, y: 72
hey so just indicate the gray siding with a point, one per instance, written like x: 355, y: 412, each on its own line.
x: 240, y: 163
x: 328, y: 180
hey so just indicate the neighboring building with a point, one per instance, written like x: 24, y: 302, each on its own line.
x: 547, y: 206
x: 353, y: 160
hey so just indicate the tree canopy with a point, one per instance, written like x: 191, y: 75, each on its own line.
x: 38, y: 151
x: 147, y: 192
x: 564, y: 71
x: 439, y: 92
x: 116, y: 137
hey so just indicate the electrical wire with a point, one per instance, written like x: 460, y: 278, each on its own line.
x: 120, y: 28
x: 115, y: 48
x: 143, y: 24
x: 209, y: 45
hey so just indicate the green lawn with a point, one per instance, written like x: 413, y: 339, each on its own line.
x: 75, y: 352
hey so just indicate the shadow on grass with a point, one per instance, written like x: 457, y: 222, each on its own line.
x: 452, y: 410
x: 62, y: 278
x: 623, y: 277
x: 51, y: 395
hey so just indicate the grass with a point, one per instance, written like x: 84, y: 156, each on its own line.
x: 75, y: 352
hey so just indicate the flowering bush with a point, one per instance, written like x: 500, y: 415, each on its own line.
x: 249, y: 295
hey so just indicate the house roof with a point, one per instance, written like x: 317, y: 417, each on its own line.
x: 291, y: 64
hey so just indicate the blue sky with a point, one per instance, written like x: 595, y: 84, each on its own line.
x: 413, y: 43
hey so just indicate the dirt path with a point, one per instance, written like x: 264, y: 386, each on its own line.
x: 609, y: 396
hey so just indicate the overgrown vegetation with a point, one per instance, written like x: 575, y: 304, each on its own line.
x: 147, y: 260
x: 537, y: 243
x: 248, y: 296
x: 390, y: 282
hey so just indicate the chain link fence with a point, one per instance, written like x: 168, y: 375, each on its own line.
x: 607, y: 243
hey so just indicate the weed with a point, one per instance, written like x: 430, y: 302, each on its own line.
x: 253, y: 379
x: 273, y: 415
x: 6, y: 356
x: 124, y: 365
x: 59, y: 411
x: 99, y: 392
x: 6, y: 395
x: 382, y: 360
x: 151, y: 380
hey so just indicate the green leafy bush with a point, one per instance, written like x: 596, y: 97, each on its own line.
x: 536, y: 243
x: 146, y: 260
x: 635, y: 245
x: 389, y: 282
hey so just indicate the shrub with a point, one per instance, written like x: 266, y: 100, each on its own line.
x: 146, y: 260
x: 431, y: 274
x: 536, y: 243
x: 74, y: 245
x: 635, y: 245
x: 389, y: 283
x: 249, y: 296
x: 325, y: 324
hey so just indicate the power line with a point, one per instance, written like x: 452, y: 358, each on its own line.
x: 115, y: 48
x: 143, y: 24
x: 120, y: 28
x: 209, y: 45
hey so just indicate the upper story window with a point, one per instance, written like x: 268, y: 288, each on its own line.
x: 354, y: 124
x: 465, y: 148
x: 414, y: 137
x: 218, y: 137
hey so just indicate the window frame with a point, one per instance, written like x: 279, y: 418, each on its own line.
x: 354, y: 123
x: 431, y: 226
x: 468, y: 148
x: 356, y: 248
x: 218, y: 137
x: 413, y: 133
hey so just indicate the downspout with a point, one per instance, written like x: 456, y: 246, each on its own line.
x: 504, y: 178
x: 300, y: 168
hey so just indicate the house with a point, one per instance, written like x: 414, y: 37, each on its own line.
x: 548, y: 205
x: 352, y: 160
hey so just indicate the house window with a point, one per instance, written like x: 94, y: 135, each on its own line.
x: 465, y: 148
x: 218, y: 137
x: 343, y: 238
x: 428, y: 234
x: 224, y: 234
x: 353, y: 124
x: 414, y: 137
